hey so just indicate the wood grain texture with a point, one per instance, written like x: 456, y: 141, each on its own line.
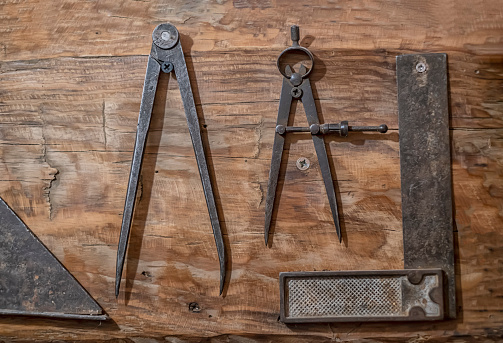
x: 71, y: 75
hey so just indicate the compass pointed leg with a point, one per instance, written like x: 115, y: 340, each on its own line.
x: 147, y: 104
x: 285, y: 104
x: 321, y: 152
x: 189, y: 105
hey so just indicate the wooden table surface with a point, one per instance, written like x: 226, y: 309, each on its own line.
x: 71, y: 76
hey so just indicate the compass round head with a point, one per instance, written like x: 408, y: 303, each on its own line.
x: 165, y: 36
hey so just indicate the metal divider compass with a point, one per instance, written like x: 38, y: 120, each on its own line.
x: 167, y: 55
x: 296, y: 85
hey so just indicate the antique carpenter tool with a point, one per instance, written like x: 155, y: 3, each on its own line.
x: 296, y: 85
x: 167, y: 55
x: 32, y: 280
x: 426, y: 288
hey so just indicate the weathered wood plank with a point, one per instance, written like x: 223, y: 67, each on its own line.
x: 67, y: 124
x: 351, y: 85
x: 107, y: 28
x: 80, y: 220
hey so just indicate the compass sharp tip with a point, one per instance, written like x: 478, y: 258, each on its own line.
x: 222, y: 284
x: 338, y: 229
x: 117, y: 284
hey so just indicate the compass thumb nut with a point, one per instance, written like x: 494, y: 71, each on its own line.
x: 344, y: 128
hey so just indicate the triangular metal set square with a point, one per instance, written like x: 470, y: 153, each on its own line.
x: 32, y: 280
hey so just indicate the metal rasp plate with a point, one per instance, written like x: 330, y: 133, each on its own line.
x: 361, y: 296
x: 32, y: 281
x: 425, y: 167
x: 426, y: 186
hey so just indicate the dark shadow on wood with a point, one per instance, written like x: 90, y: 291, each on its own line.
x: 70, y: 324
x: 319, y: 71
x: 399, y: 328
x: 306, y: 41
x: 457, y: 264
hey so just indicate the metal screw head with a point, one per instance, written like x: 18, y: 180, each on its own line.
x: 303, y: 163
x: 165, y: 35
x: 421, y: 67
x: 167, y: 67
x: 194, y: 307
x: 296, y: 92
